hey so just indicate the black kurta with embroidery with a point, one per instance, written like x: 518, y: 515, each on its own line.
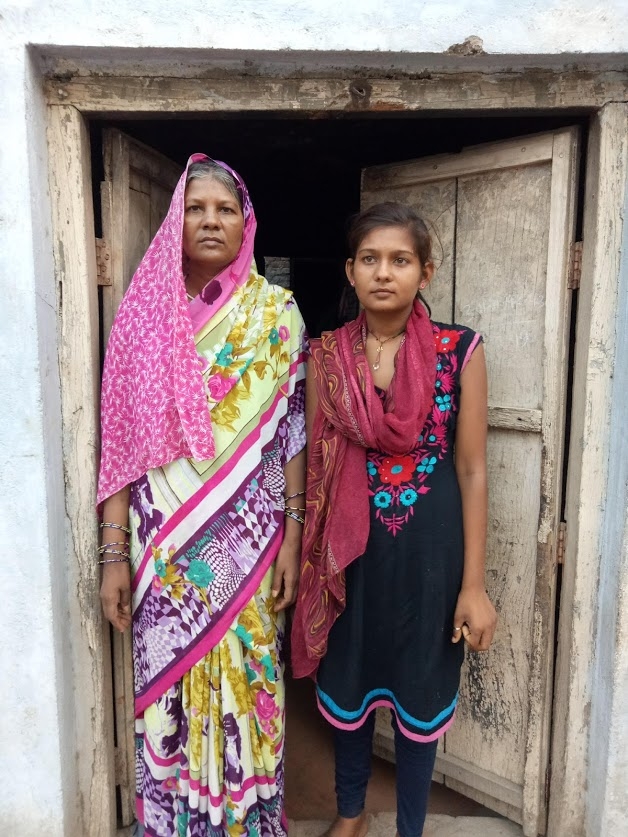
x: 392, y: 644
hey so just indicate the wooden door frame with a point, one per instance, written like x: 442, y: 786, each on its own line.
x: 79, y: 84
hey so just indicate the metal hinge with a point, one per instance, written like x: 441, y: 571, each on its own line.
x: 560, y: 546
x: 103, y: 262
x: 575, y: 269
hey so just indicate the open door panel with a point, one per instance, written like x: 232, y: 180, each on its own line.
x: 503, y: 222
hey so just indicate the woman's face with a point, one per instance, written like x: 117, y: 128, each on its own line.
x: 212, y: 225
x: 387, y: 272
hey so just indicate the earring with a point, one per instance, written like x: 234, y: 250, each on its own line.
x: 422, y: 286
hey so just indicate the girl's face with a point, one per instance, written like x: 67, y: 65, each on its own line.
x: 212, y: 225
x: 387, y: 272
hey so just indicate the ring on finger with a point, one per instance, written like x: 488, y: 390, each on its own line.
x: 457, y: 629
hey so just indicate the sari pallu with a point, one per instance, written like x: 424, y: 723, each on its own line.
x: 207, y: 644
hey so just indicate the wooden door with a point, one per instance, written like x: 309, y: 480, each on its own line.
x: 135, y: 197
x: 504, y: 220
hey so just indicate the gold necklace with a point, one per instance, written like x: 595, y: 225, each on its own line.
x: 382, y: 343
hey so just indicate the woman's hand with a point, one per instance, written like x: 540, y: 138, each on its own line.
x: 286, y: 577
x: 115, y: 594
x: 475, y: 619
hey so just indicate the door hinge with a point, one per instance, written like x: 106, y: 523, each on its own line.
x: 560, y: 546
x: 575, y: 268
x: 103, y: 262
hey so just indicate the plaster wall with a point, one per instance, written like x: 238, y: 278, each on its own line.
x: 608, y: 756
x: 36, y: 736
x: 36, y: 693
x: 530, y: 26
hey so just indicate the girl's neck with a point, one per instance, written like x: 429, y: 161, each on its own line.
x: 387, y: 325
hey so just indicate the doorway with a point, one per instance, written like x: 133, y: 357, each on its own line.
x: 304, y: 175
x: 305, y: 179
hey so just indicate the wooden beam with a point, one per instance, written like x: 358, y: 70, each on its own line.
x: 311, y: 92
x: 607, y: 173
x: 79, y: 364
x: 505, y: 418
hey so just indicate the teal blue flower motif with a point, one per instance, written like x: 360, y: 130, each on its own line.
x: 427, y: 465
x: 396, y: 469
x: 370, y: 467
x: 443, y: 402
x: 250, y: 674
x: 224, y: 358
x: 182, y: 823
x: 382, y: 499
x: 431, y: 438
x: 438, y: 384
x: 244, y: 635
x: 200, y: 573
x: 439, y: 366
x: 230, y: 816
x: 274, y: 336
x: 160, y: 568
x: 269, y: 668
x: 408, y: 497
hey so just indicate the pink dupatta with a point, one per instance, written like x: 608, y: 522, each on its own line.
x: 350, y: 419
x: 154, y: 401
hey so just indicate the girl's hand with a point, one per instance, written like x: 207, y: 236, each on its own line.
x: 286, y: 577
x: 115, y: 594
x: 475, y: 619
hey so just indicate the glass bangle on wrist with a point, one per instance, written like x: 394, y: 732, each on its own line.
x: 116, y: 526
x: 294, y: 516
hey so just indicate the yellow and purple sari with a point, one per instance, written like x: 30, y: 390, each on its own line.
x: 207, y: 644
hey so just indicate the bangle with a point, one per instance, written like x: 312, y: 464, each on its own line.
x: 116, y: 552
x: 295, y: 517
x: 296, y: 494
x: 104, y: 547
x: 114, y: 561
x: 116, y: 526
x: 294, y: 508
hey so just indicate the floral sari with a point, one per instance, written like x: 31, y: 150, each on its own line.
x: 207, y: 643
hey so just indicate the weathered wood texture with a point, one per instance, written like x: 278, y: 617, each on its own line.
x: 310, y: 89
x: 135, y: 197
x: 510, y: 225
x: 87, y: 635
x: 607, y: 173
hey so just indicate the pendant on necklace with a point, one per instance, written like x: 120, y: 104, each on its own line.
x: 379, y: 356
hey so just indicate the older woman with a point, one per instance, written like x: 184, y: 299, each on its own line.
x: 201, y: 488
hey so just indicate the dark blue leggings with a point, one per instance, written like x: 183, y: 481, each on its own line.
x: 415, y: 763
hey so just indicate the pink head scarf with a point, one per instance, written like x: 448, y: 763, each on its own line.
x: 154, y: 405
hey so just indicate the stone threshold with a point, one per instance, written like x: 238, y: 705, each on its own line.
x: 436, y: 825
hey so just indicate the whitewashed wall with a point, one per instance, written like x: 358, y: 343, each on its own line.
x: 36, y: 741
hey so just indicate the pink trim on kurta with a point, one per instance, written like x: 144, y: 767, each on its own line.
x: 414, y: 736
x: 470, y: 350
x: 213, y: 636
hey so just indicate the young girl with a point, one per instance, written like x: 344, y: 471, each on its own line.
x: 393, y: 557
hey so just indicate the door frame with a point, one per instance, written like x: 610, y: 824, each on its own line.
x: 81, y: 83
